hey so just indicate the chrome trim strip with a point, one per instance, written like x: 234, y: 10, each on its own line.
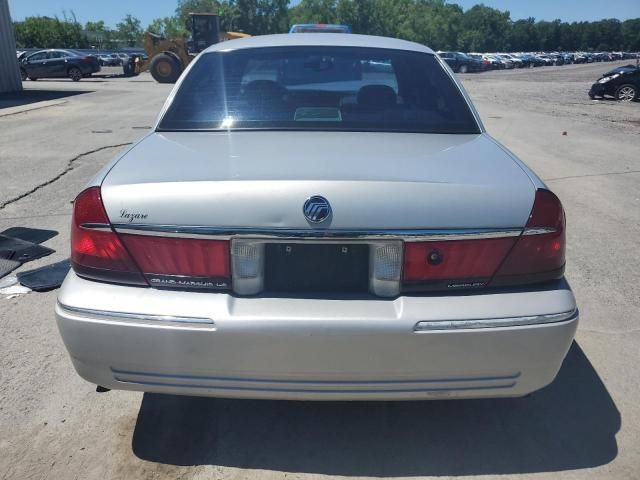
x: 496, y: 378
x: 538, y: 231
x: 167, y: 320
x: 439, y: 325
x: 216, y: 233
x: 102, y: 227
x: 317, y: 391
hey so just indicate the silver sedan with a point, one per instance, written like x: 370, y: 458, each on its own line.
x: 318, y: 217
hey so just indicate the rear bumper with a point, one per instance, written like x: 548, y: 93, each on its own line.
x: 273, y: 348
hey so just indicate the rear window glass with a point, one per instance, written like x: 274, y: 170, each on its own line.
x: 319, y: 88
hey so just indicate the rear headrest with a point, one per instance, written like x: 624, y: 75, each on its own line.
x: 380, y: 96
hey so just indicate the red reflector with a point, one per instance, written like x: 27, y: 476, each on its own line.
x: 180, y: 256
x: 454, y: 260
x: 98, y: 253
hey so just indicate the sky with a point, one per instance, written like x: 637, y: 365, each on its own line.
x: 112, y: 11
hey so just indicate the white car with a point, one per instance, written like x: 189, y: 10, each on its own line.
x: 297, y: 226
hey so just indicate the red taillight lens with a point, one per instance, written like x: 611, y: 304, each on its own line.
x: 159, y: 257
x: 539, y: 254
x: 96, y: 251
x: 453, y: 264
x: 535, y: 256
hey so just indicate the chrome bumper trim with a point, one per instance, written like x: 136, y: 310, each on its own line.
x: 440, y: 325
x: 137, y: 318
x: 244, y: 380
x: 298, y: 234
x: 320, y: 391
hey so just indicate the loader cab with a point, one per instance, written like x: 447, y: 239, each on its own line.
x: 205, y: 31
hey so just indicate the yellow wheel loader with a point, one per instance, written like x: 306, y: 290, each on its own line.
x: 168, y: 58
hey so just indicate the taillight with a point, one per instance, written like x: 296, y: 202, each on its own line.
x: 96, y: 250
x: 535, y: 256
x: 539, y: 253
x: 99, y: 253
x: 185, y: 263
x: 454, y: 264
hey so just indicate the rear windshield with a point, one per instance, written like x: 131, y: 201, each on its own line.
x: 319, y: 88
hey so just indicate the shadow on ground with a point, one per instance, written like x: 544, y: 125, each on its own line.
x: 27, y: 97
x: 569, y: 425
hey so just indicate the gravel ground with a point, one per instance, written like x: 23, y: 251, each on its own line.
x: 585, y: 425
x: 557, y: 91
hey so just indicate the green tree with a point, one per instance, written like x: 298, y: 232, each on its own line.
x: 523, y: 35
x: 484, y: 29
x: 631, y: 34
x: 98, y: 26
x: 314, y: 11
x: 436, y: 24
x: 47, y: 32
x: 168, y: 27
x: 256, y: 17
x: 185, y: 7
x: 129, y: 31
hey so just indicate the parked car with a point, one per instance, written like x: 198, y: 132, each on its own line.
x: 319, y: 234
x: 58, y: 63
x: 580, y: 57
x: 109, y: 60
x: 485, y: 62
x: 622, y: 83
x: 517, y: 62
x: 496, y: 62
x: 531, y: 60
x: 548, y: 61
x: 508, y: 62
x: 568, y: 58
x: 461, y: 63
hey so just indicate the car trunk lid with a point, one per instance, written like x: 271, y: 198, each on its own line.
x: 376, y: 181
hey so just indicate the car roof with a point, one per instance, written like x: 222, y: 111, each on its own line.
x: 46, y: 50
x: 314, y: 39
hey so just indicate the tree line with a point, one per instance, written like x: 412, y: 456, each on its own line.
x: 437, y: 23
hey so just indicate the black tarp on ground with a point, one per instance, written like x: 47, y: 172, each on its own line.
x: 33, y: 235
x: 21, y: 251
x: 45, y: 278
x: 7, y: 266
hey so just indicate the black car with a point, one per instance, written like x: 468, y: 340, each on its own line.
x: 623, y: 83
x: 529, y: 60
x: 58, y: 63
x: 461, y: 63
